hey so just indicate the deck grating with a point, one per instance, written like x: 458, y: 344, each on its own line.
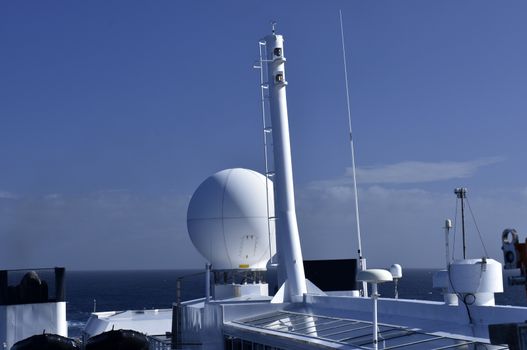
x: 356, y: 333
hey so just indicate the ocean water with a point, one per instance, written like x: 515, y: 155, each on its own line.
x: 156, y: 289
x: 87, y: 291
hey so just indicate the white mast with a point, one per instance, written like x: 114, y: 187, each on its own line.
x: 288, y: 240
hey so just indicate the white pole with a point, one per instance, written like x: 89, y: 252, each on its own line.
x: 448, y: 226
x: 288, y: 240
x: 375, y: 296
x: 362, y: 261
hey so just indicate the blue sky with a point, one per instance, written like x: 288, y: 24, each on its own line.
x: 113, y: 112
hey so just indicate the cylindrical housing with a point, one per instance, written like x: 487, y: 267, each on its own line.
x: 288, y: 240
x: 478, y: 278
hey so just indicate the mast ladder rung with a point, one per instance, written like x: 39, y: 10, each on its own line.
x: 265, y: 97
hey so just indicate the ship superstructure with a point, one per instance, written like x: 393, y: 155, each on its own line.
x: 234, y: 219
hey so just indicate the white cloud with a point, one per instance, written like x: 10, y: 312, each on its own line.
x: 8, y: 195
x: 408, y: 172
x: 401, y: 225
x: 394, y: 223
x: 52, y: 196
x: 419, y: 172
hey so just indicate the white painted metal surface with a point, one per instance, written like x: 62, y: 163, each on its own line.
x: 18, y: 322
x: 441, y: 280
x: 374, y: 276
x: 150, y: 322
x: 227, y: 219
x: 288, y: 240
x: 477, y: 280
x: 227, y: 291
x: 397, y: 271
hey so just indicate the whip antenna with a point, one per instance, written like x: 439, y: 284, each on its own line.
x: 362, y: 261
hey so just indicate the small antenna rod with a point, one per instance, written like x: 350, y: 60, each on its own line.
x: 461, y: 193
x: 362, y: 261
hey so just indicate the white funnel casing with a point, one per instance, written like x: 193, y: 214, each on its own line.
x: 288, y: 240
x: 473, y: 280
x: 476, y: 280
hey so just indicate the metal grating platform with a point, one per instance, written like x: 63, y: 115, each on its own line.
x: 358, y: 334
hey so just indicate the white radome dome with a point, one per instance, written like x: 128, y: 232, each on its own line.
x: 227, y: 220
